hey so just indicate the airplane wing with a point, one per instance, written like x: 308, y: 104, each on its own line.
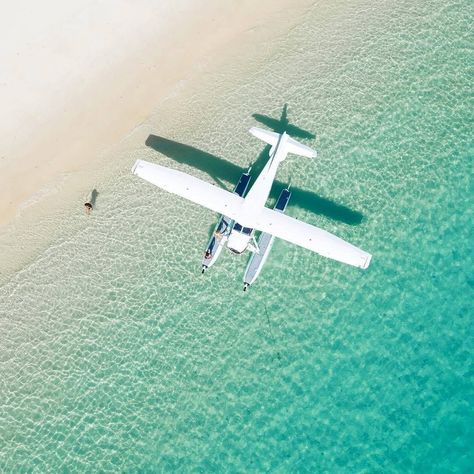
x: 311, y: 238
x: 189, y: 187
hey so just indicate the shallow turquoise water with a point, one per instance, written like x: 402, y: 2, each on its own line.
x: 117, y: 355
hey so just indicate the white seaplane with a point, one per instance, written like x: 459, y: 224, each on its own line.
x: 243, y: 214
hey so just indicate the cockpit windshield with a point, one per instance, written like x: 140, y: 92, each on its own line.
x: 242, y: 230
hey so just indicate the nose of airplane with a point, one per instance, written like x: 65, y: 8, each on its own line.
x: 237, y: 242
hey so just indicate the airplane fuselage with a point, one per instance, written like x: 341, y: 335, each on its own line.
x: 242, y: 232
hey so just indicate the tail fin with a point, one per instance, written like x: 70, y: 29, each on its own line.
x: 292, y: 146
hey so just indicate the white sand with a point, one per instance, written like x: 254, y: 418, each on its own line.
x: 77, y: 76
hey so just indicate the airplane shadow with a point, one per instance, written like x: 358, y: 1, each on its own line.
x: 283, y: 125
x: 222, y: 170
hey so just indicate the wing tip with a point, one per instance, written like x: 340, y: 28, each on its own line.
x: 135, y: 166
x: 366, y: 262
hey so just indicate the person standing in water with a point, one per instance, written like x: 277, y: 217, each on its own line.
x: 90, y: 204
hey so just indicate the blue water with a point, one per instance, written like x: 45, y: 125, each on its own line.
x: 117, y: 355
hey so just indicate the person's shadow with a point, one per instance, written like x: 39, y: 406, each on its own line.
x: 222, y: 170
x: 93, y: 198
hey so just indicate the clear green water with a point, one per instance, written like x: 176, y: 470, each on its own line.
x: 117, y: 355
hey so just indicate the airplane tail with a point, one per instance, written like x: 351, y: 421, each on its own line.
x: 292, y: 146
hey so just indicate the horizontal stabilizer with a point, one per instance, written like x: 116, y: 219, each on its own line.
x: 269, y: 137
x: 189, y: 187
x: 311, y: 238
x: 292, y: 146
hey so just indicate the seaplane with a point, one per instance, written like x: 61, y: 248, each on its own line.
x: 243, y: 212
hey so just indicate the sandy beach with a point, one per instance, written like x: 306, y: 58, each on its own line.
x: 79, y: 76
